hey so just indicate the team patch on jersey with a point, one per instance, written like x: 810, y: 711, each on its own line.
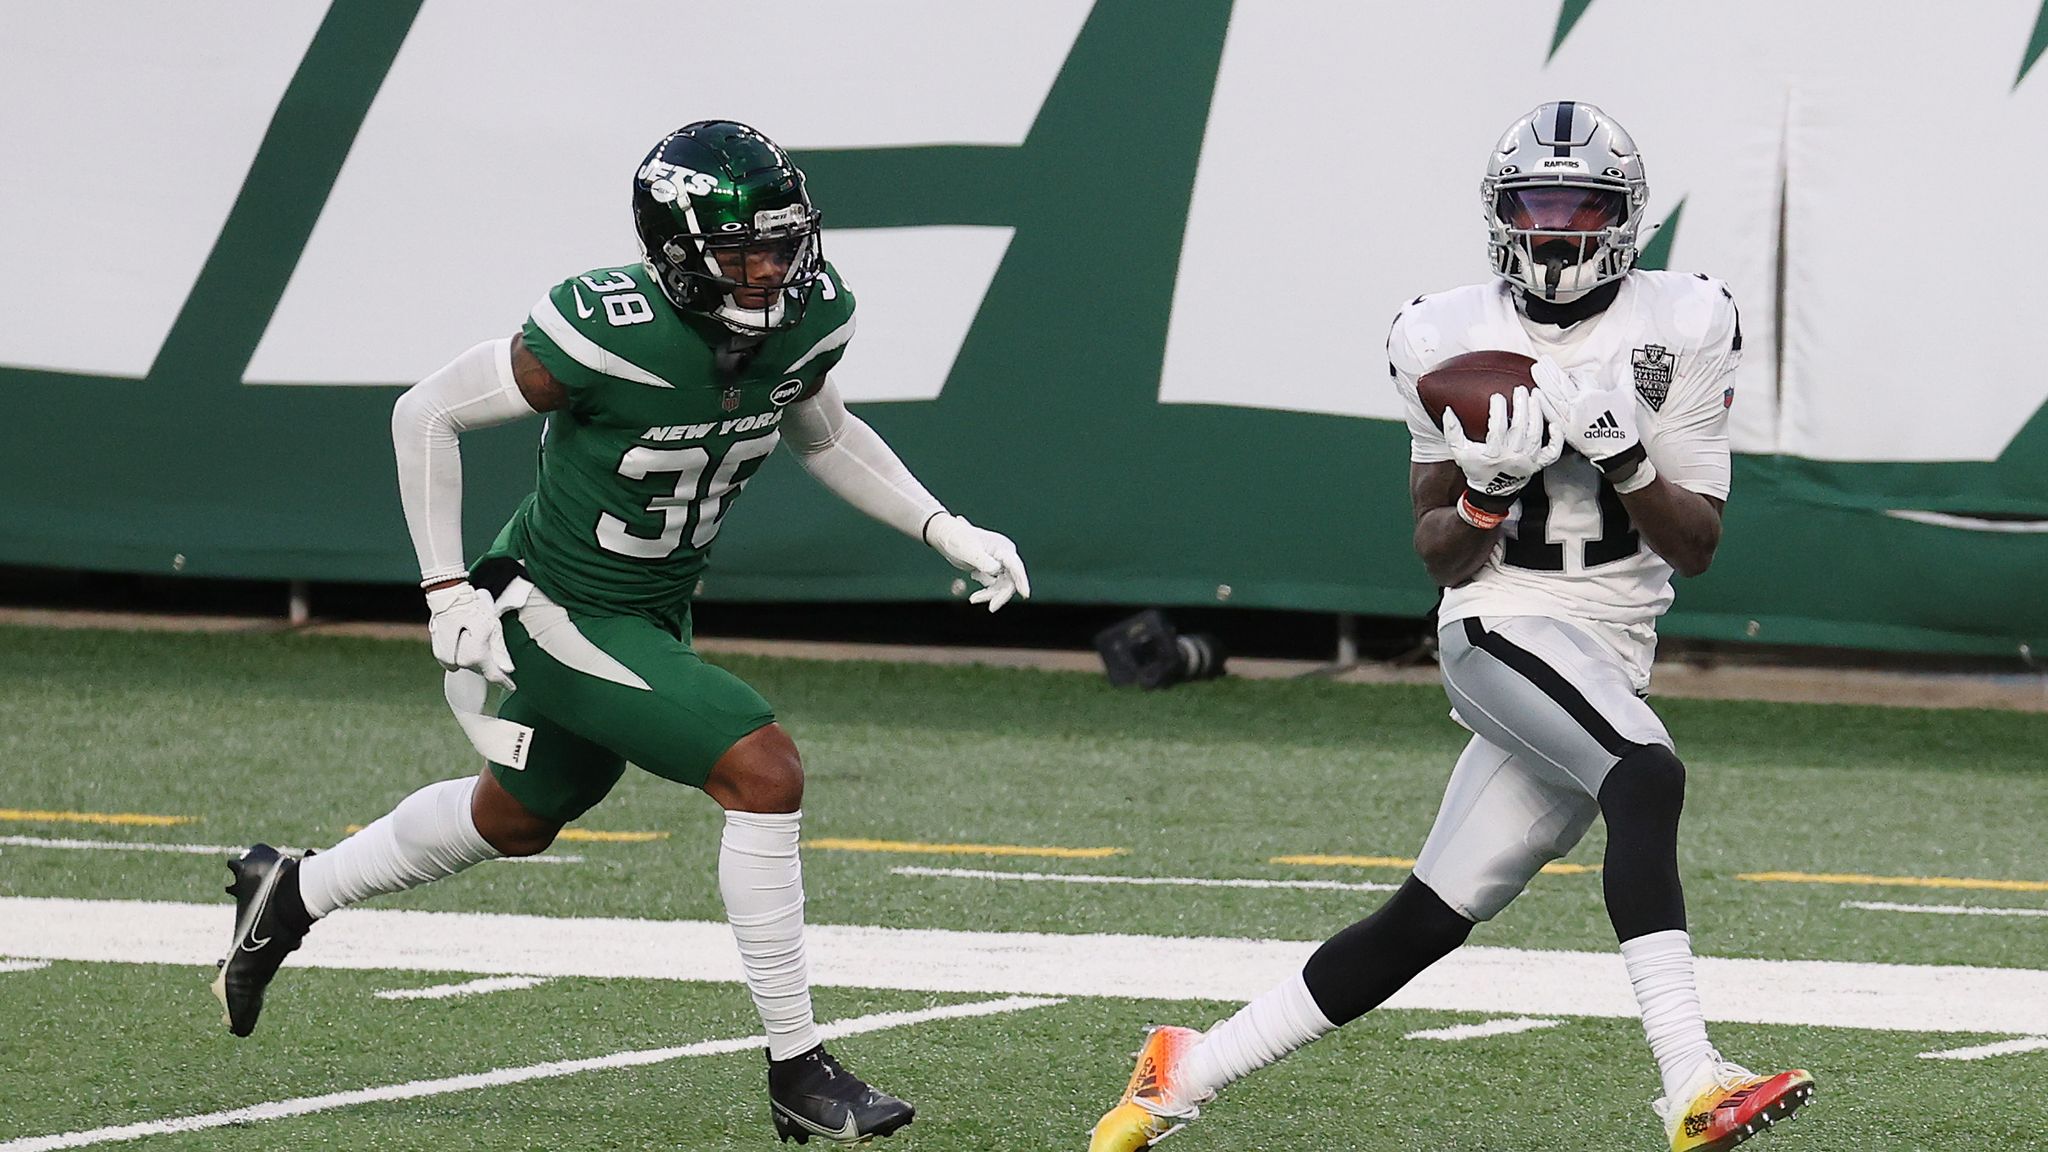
x: 786, y: 391
x: 1653, y: 365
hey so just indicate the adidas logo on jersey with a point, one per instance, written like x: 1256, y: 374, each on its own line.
x: 1605, y: 428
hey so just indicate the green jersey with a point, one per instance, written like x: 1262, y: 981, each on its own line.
x: 667, y: 420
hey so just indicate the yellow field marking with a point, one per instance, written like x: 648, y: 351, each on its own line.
x: 597, y: 836
x: 587, y: 835
x: 1323, y: 861
x: 1896, y: 881
x: 33, y: 815
x: 839, y: 844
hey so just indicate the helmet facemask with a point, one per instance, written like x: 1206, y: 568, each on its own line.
x: 754, y: 279
x: 1561, y: 239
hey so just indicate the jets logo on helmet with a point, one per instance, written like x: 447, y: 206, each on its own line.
x: 1563, y: 193
x: 666, y: 182
x: 726, y: 226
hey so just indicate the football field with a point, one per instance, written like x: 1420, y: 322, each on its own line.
x: 1010, y: 873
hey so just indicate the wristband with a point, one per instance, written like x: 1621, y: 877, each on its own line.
x: 1496, y: 503
x: 1476, y: 516
x: 1622, y: 462
x: 1644, y: 475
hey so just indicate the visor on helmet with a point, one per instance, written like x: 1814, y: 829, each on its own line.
x: 1561, y: 208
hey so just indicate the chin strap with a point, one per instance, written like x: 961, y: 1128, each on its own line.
x: 1564, y: 313
x: 752, y: 321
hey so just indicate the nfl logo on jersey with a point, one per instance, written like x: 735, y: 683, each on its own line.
x: 1653, y: 365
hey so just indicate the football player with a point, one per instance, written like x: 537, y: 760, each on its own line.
x: 1554, y: 537
x: 665, y: 384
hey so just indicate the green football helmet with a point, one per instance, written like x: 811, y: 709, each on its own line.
x: 726, y: 227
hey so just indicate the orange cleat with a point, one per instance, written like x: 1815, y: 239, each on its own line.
x: 1152, y: 1107
x: 1729, y: 1104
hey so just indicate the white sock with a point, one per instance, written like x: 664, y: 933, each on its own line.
x: 763, y: 884
x: 1660, y: 967
x: 1278, y: 1022
x: 431, y: 834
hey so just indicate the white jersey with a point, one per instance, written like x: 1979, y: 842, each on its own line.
x: 1570, y: 552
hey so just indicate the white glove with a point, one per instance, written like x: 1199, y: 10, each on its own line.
x: 991, y: 556
x: 1513, y: 449
x: 1597, y: 422
x: 466, y: 633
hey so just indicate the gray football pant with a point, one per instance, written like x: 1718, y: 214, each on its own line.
x: 1551, y: 712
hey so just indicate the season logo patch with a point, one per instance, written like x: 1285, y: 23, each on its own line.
x: 1654, y: 364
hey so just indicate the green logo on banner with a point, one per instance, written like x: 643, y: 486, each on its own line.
x: 1567, y: 16
x: 2035, y: 44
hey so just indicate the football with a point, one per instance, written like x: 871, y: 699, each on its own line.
x: 1466, y: 383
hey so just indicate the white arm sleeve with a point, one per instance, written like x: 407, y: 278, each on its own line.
x: 852, y: 460
x: 475, y: 390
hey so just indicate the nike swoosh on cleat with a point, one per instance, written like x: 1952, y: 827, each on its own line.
x: 844, y: 1133
x: 583, y: 311
x: 245, y: 927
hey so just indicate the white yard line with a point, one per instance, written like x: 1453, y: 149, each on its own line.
x: 23, y: 965
x: 415, y: 1089
x: 1485, y: 1028
x: 1490, y: 981
x: 466, y: 988
x: 1942, y: 909
x: 1146, y: 881
x: 210, y: 849
x: 1986, y: 1051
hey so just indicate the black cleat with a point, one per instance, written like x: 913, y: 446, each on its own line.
x: 811, y: 1095
x: 266, y: 931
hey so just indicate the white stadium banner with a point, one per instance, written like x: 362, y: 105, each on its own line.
x: 1915, y: 249
x: 497, y: 158
x: 127, y: 132
x: 1889, y: 169
x: 1339, y: 179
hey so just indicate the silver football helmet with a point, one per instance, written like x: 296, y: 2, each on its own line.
x: 1564, y: 194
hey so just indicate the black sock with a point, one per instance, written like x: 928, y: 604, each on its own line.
x: 288, y: 906
x: 1641, y: 801
x: 1358, y: 968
